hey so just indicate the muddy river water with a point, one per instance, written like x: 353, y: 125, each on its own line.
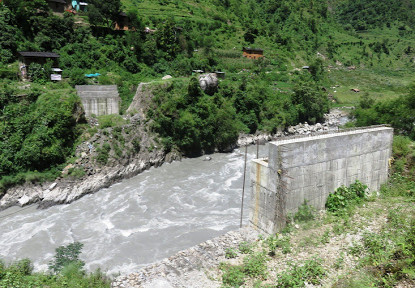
x: 138, y: 221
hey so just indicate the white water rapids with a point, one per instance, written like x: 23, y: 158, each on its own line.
x: 138, y: 221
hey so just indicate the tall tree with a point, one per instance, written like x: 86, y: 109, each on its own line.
x: 104, y: 12
x: 8, y: 43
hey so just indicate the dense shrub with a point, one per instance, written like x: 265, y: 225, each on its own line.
x: 400, y: 112
x: 310, y: 271
x: 39, y: 132
x: 67, y: 268
x: 344, y: 197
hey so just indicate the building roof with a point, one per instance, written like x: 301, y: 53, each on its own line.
x: 39, y: 54
x: 59, y: 1
x: 252, y: 49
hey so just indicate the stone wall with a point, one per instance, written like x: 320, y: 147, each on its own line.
x: 309, y: 168
x: 99, y: 99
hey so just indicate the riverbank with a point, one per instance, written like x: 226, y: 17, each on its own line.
x: 329, y: 251
x: 190, y: 267
x: 65, y: 190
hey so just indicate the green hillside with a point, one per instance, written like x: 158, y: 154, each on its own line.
x: 366, y: 45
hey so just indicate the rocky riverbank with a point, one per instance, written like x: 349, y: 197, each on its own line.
x: 187, y: 268
x: 131, y: 151
x: 131, y: 162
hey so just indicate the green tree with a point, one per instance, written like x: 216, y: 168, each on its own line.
x: 66, y: 255
x: 104, y: 12
x: 193, y: 91
x: 167, y: 39
x: 186, y: 130
x: 8, y: 45
x: 25, y: 11
x: 310, y: 102
x: 226, y: 129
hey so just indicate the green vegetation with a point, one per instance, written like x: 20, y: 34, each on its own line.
x: 399, y: 112
x: 311, y: 271
x: 38, y: 132
x: 345, y: 197
x: 305, y: 213
x: 253, y: 266
x: 66, y: 267
x: 375, y: 40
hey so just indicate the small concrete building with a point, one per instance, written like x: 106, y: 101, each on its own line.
x: 310, y: 168
x: 57, y: 6
x: 79, y: 5
x: 28, y: 57
x: 122, y: 22
x: 252, y: 53
x: 99, y: 99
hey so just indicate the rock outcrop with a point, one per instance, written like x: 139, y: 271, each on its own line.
x: 66, y: 191
x: 143, y: 97
x: 209, y: 83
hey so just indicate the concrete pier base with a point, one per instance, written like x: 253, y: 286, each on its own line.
x: 99, y: 99
x: 310, y: 168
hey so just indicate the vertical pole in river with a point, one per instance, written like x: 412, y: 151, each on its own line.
x: 257, y: 149
x: 243, y: 187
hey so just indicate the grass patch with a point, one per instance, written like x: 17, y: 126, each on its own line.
x: 311, y: 271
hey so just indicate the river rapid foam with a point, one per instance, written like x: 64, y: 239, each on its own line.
x: 138, y: 221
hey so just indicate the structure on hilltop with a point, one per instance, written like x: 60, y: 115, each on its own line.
x: 26, y: 58
x: 57, y: 6
x: 252, y: 53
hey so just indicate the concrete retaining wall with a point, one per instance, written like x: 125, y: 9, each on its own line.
x: 310, y: 168
x: 99, y: 99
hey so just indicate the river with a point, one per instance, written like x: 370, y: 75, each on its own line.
x: 138, y: 221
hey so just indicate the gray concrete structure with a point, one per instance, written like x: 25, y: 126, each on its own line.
x: 310, y: 168
x: 99, y: 99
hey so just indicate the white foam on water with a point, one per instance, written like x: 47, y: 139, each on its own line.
x: 108, y: 223
x: 129, y: 232
x: 208, y: 193
x: 231, y: 180
x: 218, y: 227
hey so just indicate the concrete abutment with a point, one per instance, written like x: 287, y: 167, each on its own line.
x: 310, y: 168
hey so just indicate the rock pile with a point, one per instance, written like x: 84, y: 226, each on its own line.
x: 331, y: 123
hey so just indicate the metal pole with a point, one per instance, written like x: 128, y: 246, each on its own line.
x: 243, y: 187
x: 257, y: 149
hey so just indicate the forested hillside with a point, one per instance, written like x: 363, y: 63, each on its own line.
x: 344, y: 44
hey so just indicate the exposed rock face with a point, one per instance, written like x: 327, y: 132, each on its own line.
x: 137, y: 151
x: 143, y: 98
x: 67, y: 191
x: 209, y: 83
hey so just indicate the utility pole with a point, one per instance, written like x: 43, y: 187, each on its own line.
x: 243, y: 187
